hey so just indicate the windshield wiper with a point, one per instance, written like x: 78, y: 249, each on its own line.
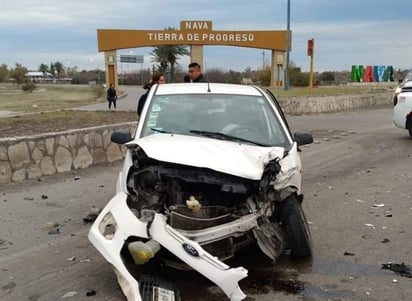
x: 160, y: 131
x: 223, y: 136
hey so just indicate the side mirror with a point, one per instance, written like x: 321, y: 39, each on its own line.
x: 303, y: 138
x: 121, y: 137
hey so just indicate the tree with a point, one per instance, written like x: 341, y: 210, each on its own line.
x: 216, y: 75
x: 4, y: 73
x: 327, y: 77
x: 43, y: 68
x: 52, y: 68
x: 59, y: 68
x: 18, y: 73
x: 169, y: 54
x: 263, y: 75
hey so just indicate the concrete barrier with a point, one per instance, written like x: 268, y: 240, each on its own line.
x: 334, y: 103
x: 41, y: 155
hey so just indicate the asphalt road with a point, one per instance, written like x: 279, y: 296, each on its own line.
x: 357, y: 178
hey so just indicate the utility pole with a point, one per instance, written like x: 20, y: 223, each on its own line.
x: 263, y: 60
x: 288, y: 38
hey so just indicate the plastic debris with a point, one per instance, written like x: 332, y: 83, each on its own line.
x: 385, y: 240
x: 395, y: 280
x: 378, y: 205
x: 44, y: 197
x: 76, y: 178
x: 370, y: 225
x: 91, y: 215
x: 50, y: 225
x: 85, y: 260
x: 401, y: 269
x: 54, y: 231
x: 360, y: 201
x: 91, y: 293
x: 348, y: 254
x: 73, y: 258
x: 69, y: 294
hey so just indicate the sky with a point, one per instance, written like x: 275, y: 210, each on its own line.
x: 346, y: 33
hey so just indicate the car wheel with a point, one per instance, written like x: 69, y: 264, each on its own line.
x: 296, y: 227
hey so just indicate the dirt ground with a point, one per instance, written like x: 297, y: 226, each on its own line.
x: 39, y: 123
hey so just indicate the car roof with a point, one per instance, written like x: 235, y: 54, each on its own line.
x: 205, y: 88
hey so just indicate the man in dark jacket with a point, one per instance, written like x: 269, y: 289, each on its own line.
x: 195, y: 73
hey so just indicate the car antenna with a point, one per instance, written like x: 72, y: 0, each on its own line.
x: 207, y: 78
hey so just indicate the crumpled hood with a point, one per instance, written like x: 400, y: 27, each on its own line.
x: 238, y: 159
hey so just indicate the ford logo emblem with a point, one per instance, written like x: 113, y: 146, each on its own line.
x: 190, y: 250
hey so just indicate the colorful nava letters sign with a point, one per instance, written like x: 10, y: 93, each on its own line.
x: 369, y: 74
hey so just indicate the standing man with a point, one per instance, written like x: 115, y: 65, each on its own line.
x: 111, y: 96
x: 195, y: 74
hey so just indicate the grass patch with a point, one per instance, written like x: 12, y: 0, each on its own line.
x: 48, y: 97
x: 39, y: 123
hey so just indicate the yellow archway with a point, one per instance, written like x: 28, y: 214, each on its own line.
x: 193, y: 33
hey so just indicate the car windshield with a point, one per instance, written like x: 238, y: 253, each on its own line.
x: 241, y: 118
x: 408, y: 77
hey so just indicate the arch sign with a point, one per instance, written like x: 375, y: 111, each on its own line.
x: 193, y: 33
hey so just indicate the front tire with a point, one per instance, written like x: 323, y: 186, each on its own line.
x: 296, y: 227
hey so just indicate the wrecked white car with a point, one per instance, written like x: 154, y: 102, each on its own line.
x: 211, y: 169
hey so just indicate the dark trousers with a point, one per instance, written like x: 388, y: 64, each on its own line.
x: 112, y: 100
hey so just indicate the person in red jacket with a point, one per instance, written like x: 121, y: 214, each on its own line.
x: 157, y: 78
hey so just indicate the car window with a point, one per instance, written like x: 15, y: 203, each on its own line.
x: 408, y: 77
x: 247, y: 117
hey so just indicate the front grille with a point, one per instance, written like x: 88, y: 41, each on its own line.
x: 406, y: 89
x: 148, y: 282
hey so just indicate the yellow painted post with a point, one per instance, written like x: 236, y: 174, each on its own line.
x: 196, y: 55
x: 311, y: 76
x: 311, y: 52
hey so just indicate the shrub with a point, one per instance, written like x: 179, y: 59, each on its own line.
x: 28, y: 87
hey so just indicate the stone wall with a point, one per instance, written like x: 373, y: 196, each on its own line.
x: 334, y: 103
x: 35, y: 156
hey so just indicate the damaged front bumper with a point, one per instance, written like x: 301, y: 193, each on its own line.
x: 118, y: 215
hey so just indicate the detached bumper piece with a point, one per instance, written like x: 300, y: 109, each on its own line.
x: 185, y: 249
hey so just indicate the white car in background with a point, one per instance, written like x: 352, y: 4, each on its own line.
x: 402, y: 101
x: 211, y: 169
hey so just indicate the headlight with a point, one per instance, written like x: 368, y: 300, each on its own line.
x: 107, y: 226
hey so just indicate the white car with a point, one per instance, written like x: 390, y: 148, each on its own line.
x: 211, y: 169
x: 402, y: 101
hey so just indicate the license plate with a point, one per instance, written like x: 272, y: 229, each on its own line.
x: 161, y: 294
